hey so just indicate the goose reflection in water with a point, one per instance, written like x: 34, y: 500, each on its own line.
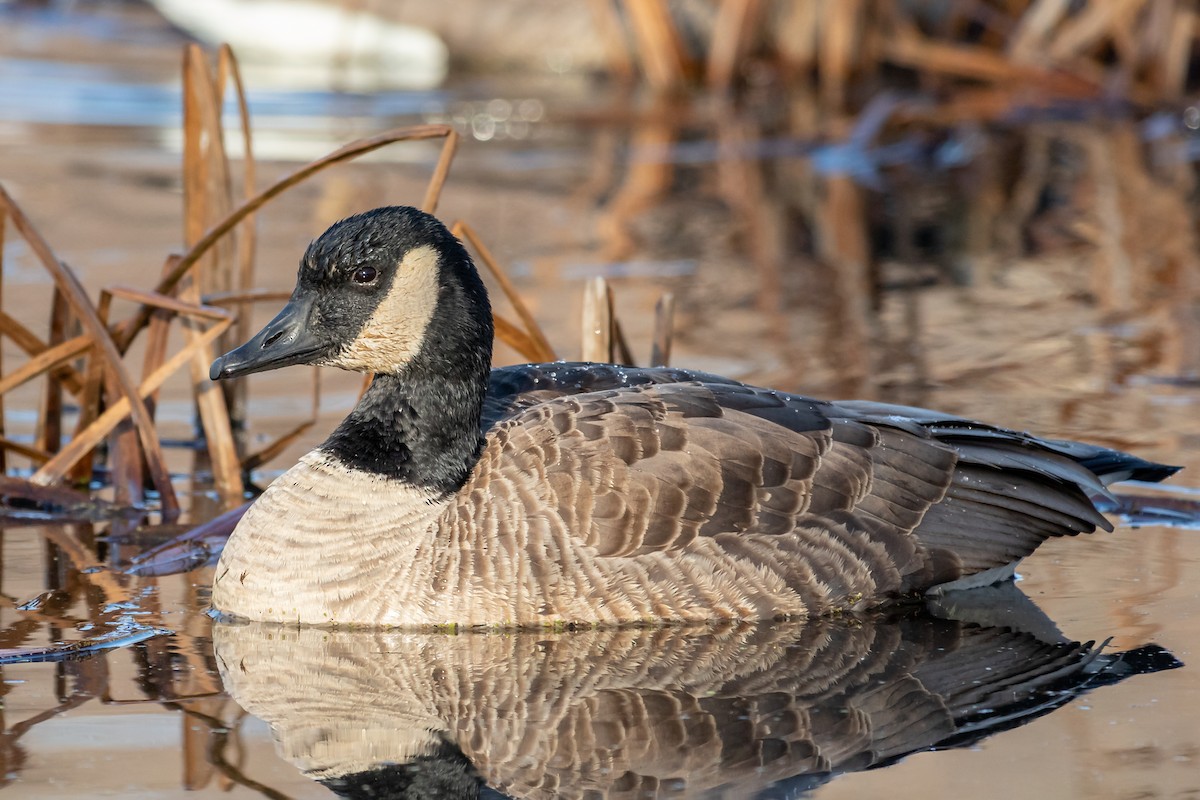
x: 766, y: 710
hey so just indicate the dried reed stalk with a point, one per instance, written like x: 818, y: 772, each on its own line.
x: 597, y: 321
x: 105, y: 349
x: 228, y: 73
x: 32, y: 453
x: 533, y: 345
x: 1033, y: 30
x: 664, y: 61
x: 796, y: 37
x: 733, y: 32
x: 433, y: 192
x: 612, y: 33
x: 3, y: 438
x: 269, y: 451
x: 45, y: 361
x: 839, y: 32
x: 664, y: 327
x: 49, y: 426
x: 623, y: 354
x: 89, y: 409
x: 208, y: 196
x: 240, y: 298
x: 272, y: 449
x: 517, y: 338
x: 87, y: 439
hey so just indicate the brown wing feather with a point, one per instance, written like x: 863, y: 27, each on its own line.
x: 834, y: 500
x: 774, y: 479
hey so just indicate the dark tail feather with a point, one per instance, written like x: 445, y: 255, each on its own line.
x: 1112, y: 466
x: 1140, y: 661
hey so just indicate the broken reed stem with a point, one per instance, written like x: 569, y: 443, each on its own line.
x: 541, y: 350
x: 624, y: 355
x: 664, y: 320
x: 159, y: 329
x: 166, y: 302
x: 597, y: 322
x: 735, y: 25
x: 188, y: 260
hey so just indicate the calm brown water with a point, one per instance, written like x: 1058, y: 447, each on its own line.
x: 1041, y: 274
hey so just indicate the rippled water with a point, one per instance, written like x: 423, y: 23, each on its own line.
x: 1038, y: 271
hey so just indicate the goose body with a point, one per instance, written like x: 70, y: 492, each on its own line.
x: 455, y: 494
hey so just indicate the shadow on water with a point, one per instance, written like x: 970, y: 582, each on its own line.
x: 759, y: 710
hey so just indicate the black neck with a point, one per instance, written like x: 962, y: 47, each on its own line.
x: 422, y: 432
x: 422, y: 425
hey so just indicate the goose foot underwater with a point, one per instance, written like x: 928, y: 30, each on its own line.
x: 567, y: 493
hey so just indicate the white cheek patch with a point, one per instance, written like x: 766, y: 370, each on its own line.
x: 393, y: 334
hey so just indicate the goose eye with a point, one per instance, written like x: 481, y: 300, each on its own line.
x: 365, y: 274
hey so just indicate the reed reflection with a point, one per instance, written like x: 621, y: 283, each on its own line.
x: 684, y: 712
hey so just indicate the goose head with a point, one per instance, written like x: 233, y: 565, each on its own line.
x: 389, y: 291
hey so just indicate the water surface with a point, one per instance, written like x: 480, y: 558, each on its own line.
x: 1038, y: 271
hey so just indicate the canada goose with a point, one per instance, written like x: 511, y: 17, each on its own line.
x: 692, y: 711
x: 587, y: 493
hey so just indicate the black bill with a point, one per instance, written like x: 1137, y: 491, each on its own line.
x: 288, y: 339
